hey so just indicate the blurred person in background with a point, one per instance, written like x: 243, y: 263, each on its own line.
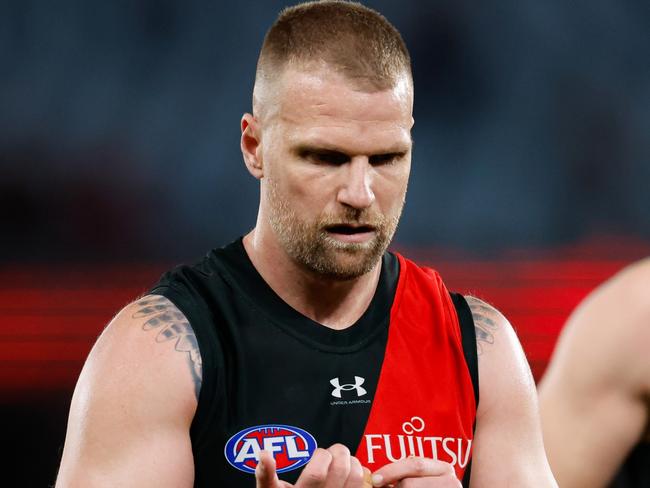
x: 595, y: 396
x: 307, y: 331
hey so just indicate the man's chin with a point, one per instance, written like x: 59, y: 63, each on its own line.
x: 348, y: 264
x: 342, y: 273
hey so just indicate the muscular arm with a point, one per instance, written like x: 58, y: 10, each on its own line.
x: 508, y: 447
x: 134, y: 402
x: 594, y: 396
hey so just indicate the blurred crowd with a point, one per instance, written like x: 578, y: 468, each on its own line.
x: 119, y: 124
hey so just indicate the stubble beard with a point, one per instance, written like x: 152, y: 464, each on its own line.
x: 312, y: 247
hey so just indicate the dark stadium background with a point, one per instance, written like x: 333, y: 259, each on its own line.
x: 119, y: 126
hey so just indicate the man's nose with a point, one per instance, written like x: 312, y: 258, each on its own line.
x: 356, y: 188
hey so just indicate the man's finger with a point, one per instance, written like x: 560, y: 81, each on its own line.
x: 315, y: 472
x: 356, y: 477
x: 412, y: 467
x: 265, y: 474
x: 367, y: 478
x: 339, y: 468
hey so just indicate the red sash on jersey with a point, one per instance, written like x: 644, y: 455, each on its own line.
x: 424, y: 404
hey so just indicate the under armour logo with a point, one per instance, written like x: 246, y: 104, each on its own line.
x: 338, y: 387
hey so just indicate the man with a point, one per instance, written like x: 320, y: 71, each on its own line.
x: 595, y: 396
x: 307, y: 332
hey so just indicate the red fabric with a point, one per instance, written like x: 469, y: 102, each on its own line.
x: 424, y: 404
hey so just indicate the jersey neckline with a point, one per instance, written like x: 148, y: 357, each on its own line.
x: 247, y: 281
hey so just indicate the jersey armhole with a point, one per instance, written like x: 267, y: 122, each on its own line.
x: 203, y: 414
x: 468, y: 337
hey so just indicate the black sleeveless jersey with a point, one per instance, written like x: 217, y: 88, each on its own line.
x: 635, y: 472
x: 274, y: 379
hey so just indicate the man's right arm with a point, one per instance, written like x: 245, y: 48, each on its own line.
x: 593, y: 397
x: 134, y: 402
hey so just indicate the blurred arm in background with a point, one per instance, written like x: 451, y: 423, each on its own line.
x: 594, y: 397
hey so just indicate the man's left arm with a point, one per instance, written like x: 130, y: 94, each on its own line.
x: 508, y: 446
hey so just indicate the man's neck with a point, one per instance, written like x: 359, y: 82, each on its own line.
x: 333, y: 303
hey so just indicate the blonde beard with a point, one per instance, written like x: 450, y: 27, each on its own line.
x: 310, y: 245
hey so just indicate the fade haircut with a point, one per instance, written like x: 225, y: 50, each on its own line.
x: 352, y: 39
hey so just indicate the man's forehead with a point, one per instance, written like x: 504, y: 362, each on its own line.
x: 340, y: 118
x: 308, y: 92
x: 321, y: 85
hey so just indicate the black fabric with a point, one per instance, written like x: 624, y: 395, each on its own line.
x: 635, y: 472
x: 468, y: 335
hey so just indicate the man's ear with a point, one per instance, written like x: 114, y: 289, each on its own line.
x: 251, y: 145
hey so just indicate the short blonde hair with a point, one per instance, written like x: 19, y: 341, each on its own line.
x: 353, y: 39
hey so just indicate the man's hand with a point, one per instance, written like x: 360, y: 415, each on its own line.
x: 417, y: 472
x: 328, y: 468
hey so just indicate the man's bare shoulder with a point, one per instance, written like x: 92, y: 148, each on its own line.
x: 493, y: 330
x: 487, y: 322
x: 629, y: 291
x: 151, y: 328
x: 163, y: 323
x: 626, y: 293
x: 499, y: 351
x: 608, y: 333
x: 146, y: 351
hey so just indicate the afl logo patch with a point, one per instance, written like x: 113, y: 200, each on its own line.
x: 290, y: 446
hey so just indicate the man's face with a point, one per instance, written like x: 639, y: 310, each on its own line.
x: 336, y: 165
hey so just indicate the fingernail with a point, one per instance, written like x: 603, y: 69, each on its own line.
x: 377, y: 479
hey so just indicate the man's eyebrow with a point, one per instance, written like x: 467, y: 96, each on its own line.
x: 318, y: 148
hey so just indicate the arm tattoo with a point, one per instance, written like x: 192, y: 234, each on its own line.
x: 172, y: 325
x: 485, y: 323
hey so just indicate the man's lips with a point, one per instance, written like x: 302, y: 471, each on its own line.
x: 351, y: 232
x: 349, y: 229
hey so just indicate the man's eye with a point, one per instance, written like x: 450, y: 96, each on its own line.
x: 327, y: 158
x: 379, y: 159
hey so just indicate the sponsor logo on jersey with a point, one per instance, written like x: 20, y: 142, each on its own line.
x: 338, y: 387
x: 290, y: 446
x: 454, y: 450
